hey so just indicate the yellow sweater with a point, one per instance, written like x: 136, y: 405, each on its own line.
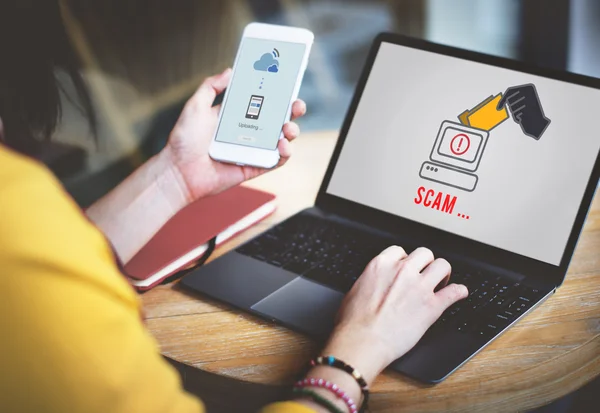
x: 71, y: 333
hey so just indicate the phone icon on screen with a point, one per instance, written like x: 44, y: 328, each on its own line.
x: 254, y: 106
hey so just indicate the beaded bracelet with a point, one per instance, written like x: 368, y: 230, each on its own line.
x: 334, y: 388
x: 339, y: 364
x: 317, y: 398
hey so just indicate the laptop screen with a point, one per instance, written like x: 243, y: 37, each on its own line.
x: 495, y: 155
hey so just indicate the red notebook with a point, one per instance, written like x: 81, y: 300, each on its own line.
x: 185, y: 237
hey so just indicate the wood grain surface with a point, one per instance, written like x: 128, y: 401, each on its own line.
x: 550, y: 353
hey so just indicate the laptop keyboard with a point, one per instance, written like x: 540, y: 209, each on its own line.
x: 493, y: 303
x: 336, y: 255
x: 329, y: 253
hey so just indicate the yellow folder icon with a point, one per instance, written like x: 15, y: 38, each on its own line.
x: 485, y: 115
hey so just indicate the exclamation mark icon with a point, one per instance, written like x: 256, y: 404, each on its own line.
x: 460, y: 144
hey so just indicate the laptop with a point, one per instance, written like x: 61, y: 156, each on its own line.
x: 489, y: 162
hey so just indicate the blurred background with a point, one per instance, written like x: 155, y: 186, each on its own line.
x: 144, y: 58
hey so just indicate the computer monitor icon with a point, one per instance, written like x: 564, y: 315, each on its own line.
x: 456, y: 153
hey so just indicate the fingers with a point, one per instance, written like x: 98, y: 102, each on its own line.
x: 291, y: 131
x: 298, y: 109
x: 514, y: 102
x: 390, y: 262
x: 450, y: 295
x: 437, y: 272
x: 394, y: 252
x: 285, y: 150
x: 211, y: 87
x: 381, y: 272
x: 386, y: 264
x: 420, y: 258
x: 510, y: 92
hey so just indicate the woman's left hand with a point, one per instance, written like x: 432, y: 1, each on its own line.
x: 187, y: 148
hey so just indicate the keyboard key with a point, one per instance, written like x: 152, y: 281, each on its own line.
x: 259, y: 257
x: 454, y: 311
x: 502, y: 320
x: 487, y: 331
x: 509, y: 314
x: 465, y: 326
x: 482, y: 296
x: 299, y: 266
x: 521, y: 308
x: 472, y: 292
x: 497, y: 303
x: 319, y: 275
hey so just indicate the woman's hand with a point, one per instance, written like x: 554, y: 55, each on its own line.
x: 180, y: 174
x: 190, y: 139
x: 390, y: 307
x: 384, y: 315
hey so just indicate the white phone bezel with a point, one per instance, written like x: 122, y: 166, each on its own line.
x: 246, y: 155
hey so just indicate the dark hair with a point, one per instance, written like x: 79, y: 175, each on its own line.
x: 33, y: 46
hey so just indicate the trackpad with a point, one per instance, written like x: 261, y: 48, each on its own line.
x: 303, y: 305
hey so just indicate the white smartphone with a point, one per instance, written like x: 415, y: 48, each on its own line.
x: 267, y: 74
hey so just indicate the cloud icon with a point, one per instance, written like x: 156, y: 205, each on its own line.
x: 267, y: 63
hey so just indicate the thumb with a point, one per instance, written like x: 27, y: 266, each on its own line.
x: 451, y: 294
x: 502, y: 100
x: 211, y: 87
x: 510, y: 92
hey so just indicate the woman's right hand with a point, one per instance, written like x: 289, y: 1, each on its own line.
x: 390, y: 307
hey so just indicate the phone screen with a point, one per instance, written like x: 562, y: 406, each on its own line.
x: 260, y: 92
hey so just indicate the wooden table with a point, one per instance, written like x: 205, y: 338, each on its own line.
x: 552, y: 352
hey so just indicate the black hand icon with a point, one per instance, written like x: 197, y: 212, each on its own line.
x: 526, y: 109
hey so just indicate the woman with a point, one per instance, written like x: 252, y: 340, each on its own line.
x: 71, y: 328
